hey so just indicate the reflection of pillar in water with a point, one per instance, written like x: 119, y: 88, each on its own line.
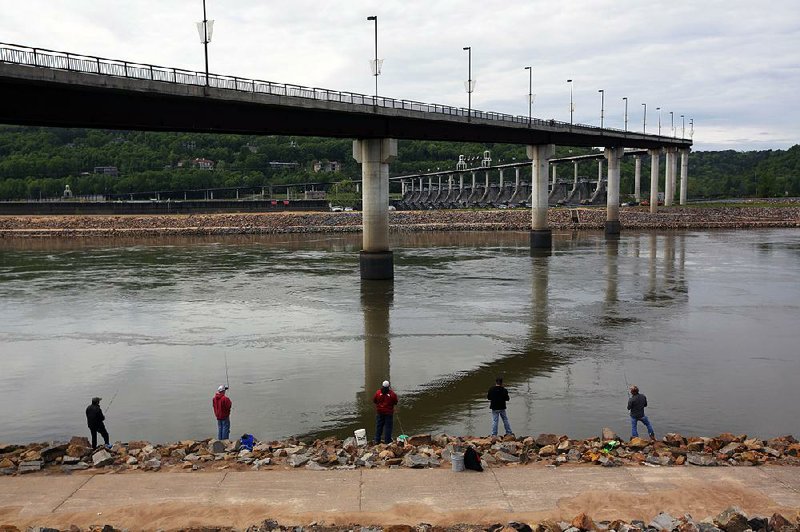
x: 651, y: 289
x: 539, y: 305
x: 376, y: 302
x: 612, y: 273
x: 669, y: 260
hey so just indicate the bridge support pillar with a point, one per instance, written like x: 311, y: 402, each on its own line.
x: 637, y: 179
x: 541, y: 234
x: 460, y: 181
x: 555, y: 172
x: 376, y: 260
x: 516, y: 179
x: 599, y: 174
x: 684, y: 175
x: 655, y: 156
x: 473, y: 181
x: 501, y: 179
x: 613, y: 155
x: 672, y: 171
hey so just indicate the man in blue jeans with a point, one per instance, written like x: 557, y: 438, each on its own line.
x: 636, y: 404
x: 497, y: 397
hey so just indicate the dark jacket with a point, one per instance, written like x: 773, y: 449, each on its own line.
x: 497, y: 396
x: 636, y: 404
x: 94, y: 416
x: 222, y: 406
x: 384, y: 400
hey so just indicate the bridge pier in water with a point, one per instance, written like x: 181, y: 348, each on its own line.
x: 376, y: 259
x: 612, y: 226
x: 637, y: 179
x: 541, y: 234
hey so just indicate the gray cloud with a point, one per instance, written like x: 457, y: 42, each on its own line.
x: 730, y: 65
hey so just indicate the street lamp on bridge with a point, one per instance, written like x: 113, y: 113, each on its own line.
x: 625, y: 99
x: 376, y: 63
x: 659, y: 120
x: 644, y: 119
x: 571, y: 105
x: 683, y: 127
x: 470, y: 84
x: 205, y: 29
x: 602, y: 105
x: 530, y: 93
x: 672, y: 122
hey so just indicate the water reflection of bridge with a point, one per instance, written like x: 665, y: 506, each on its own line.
x: 543, y: 352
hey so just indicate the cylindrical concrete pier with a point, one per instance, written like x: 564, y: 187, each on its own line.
x: 613, y: 155
x: 637, y: 179
x: 541, y: 235
x: 684, y: 175
x: 655, y: 156
x: 376, y: 259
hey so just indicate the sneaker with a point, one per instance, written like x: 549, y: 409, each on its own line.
x: 108, y: 446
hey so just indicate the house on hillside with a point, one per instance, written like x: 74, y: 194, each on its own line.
x: 327, y: 166
x: 113, y: 171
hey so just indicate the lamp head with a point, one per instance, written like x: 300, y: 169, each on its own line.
x: 372, y: 18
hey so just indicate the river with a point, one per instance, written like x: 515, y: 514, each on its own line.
x: 704, y: 322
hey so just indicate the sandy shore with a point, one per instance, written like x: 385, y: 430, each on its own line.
x: 442, y: 220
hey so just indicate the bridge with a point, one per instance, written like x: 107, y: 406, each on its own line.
x: 61, y: 89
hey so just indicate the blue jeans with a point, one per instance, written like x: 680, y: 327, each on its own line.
x: 383, y: 425
x: 635, y: 423
x: 224, y: 429
x: 506, y: 425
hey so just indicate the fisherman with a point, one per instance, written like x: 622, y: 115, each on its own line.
x: 222, y: 410
x: 384, y: 400
x: 95, y: 418
x: 636, y: 403
x: 497, y: 396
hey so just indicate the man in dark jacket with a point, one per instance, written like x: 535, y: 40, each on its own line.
x: 384, y: 400
x: 497, y: 397
x: 636, y: 403
x: 95, y: 418
x: 222, y: 411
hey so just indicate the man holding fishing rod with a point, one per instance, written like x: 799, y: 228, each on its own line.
x: 95, y: 419
x: 636, y: 403
x: 222, y: 410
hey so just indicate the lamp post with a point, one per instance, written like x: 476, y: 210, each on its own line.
x: 205, y: 29
x: 644, y: 119
x: 625, y: 99
x: 672, y: 123
x: 376, y: 67
x: 691, y: 128
x: 659, y: 120
x: 683, y: 127
x: 602, y: 105
x: 530, y: 93
x: 470, y: 86
x: 571, y: 106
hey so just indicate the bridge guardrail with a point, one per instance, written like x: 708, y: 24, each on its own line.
x: 41, y: 57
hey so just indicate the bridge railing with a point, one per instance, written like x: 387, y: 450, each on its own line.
x: 40, y: 57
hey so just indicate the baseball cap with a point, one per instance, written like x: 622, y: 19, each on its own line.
x: 385, y: 384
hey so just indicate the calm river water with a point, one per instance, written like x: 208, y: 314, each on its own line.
x: 706, y: 323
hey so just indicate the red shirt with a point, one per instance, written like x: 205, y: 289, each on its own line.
x: 385, y: 402
x: 222, y: 406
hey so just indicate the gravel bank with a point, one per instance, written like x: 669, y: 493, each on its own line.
x: 443, y: 220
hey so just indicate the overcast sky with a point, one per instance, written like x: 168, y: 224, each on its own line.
x: 731, y: 65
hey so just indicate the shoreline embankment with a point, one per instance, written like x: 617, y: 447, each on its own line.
x: 590, y: 218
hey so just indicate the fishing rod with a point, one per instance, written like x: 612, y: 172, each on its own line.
x: 227, y: 380
x: 112, y: 401
x: 627, y: 386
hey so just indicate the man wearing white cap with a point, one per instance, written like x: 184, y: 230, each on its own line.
x: 222, y: 410
x: 384, y: 400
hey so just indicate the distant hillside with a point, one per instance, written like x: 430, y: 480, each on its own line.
x: 39, y: 162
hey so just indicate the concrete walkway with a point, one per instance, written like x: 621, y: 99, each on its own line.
x: 147, y: 501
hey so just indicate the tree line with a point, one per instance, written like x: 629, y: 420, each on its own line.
x: 37, y: 162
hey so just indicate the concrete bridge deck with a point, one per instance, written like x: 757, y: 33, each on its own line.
x: 392, y: 496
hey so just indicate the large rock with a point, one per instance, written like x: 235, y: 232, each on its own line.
x: 419, y: 439
x: 548, y: 525
x: 547, y: 450
x: 732, y: 520
x: 30, y: 466
x: 638, y: 443
x: 609, y: 435
x: 674, y: 440
x: 102, y: 458
x: 415, y: 461
x: 731, y: 448
x: 583, y: 522
x: 57, y: 450
x: 778, y: 523
x: 82, y: 441
x: 547, y: 439
x: 154, y: 464
x: 664, y: 521
x: 216, y: 446
x: 505, y: 457
x: 700, y: 459
x: 296, y: 460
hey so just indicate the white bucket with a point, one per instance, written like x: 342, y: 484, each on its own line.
x: 361, y: 436
x: 457, y: 461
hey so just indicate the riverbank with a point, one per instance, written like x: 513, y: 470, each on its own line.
x: 415, y: 452
x: 585, y: 218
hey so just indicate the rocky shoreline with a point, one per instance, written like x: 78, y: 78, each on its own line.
x: 584, y: 218
x: 418, y: 451
x: 732, y: 519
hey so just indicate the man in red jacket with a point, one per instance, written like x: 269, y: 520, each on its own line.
x: 384, y: 400
x: 222, y: 409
